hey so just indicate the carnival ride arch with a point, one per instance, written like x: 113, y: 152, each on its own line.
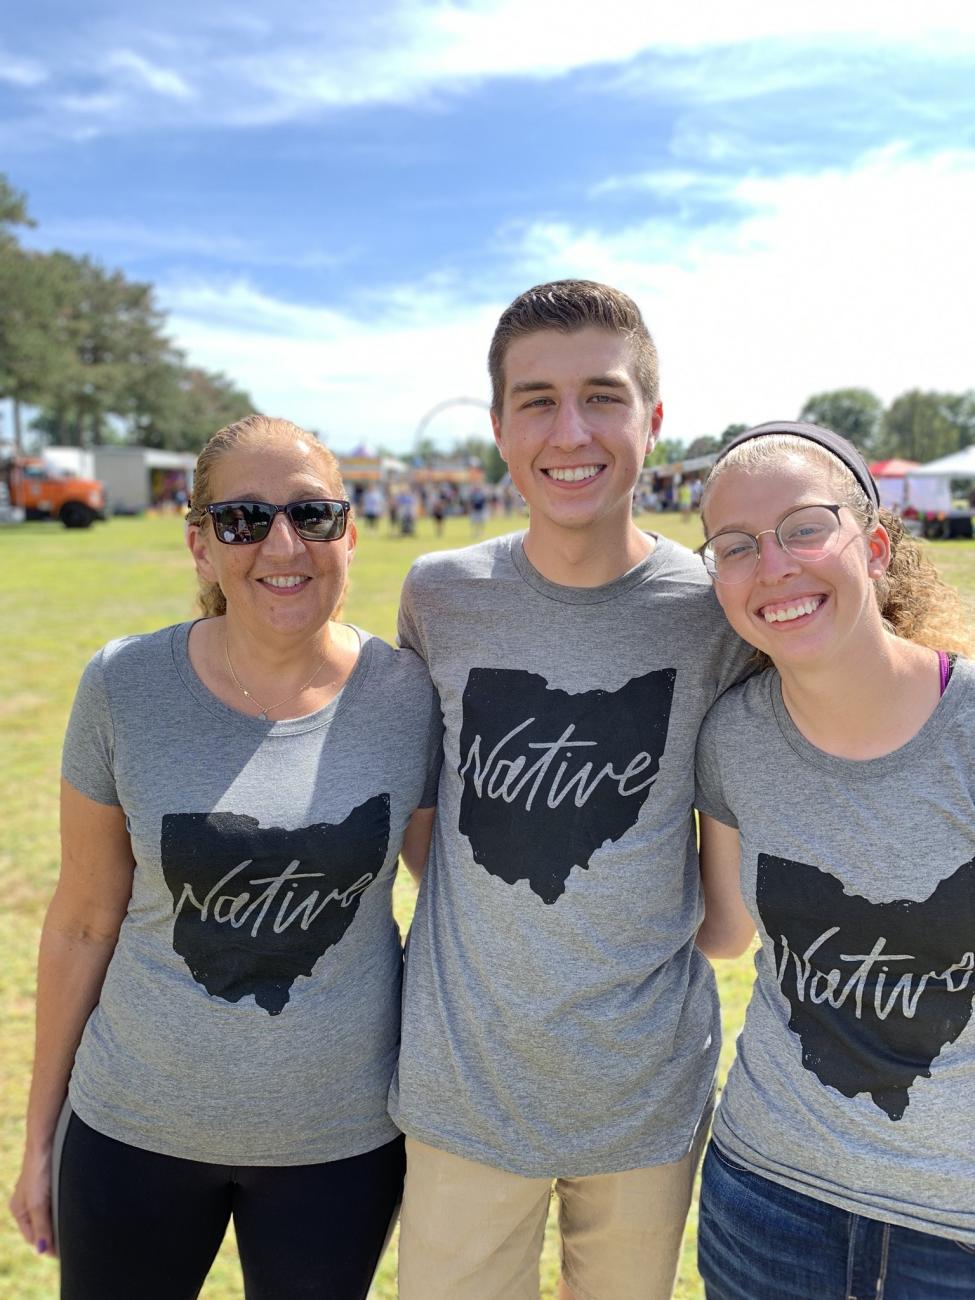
x: 446, y: 405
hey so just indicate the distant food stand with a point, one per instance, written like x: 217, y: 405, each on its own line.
x: 935, y: 479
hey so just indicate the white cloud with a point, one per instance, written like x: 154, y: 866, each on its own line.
x: 835, y: 279
x: 355, y: 381
x: 830, y: 280
x: 221, y: 69
x: 666, y: 182
x: 21, y: 72
x: 159, y: 80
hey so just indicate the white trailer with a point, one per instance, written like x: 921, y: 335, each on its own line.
x: 138, y: 478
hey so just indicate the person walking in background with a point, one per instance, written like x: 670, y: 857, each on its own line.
x: 837, y: 791
x: 477, y: 505
x: 438, y: 511
x: 372, y: 506
x: 559, y: 1023
x: 406, y: 510
x: 220, y: 969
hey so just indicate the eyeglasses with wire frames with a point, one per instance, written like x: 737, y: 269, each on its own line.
x: 808, y: 534
x: 244, y: 523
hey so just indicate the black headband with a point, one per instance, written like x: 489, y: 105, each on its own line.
x: 840, y: 447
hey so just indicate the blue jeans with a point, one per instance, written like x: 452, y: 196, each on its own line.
x: 758, y: 1240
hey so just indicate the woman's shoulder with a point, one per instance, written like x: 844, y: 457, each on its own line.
x: 137, y: 653
x: 397, y: 667
x: 137, y: 644
x: 745, y: 703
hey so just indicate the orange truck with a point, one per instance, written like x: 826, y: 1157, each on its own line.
x: 43, y: 493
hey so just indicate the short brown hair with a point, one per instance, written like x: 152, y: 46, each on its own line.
x: 251, y: 431
x: 567, y: 306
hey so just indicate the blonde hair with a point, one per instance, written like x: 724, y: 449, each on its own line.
x: 914, y: 601
x: 251, y: 431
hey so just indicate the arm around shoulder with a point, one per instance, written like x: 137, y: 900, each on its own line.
x: 727, y: 928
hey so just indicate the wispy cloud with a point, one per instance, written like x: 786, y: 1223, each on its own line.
x: 151, y: 76
x: 133, y: 241
x: 213, y: 66
x: 21, y: 71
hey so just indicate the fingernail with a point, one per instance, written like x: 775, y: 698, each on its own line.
x: 42, y: 1247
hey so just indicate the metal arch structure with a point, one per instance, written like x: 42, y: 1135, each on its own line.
x: 434, y: 411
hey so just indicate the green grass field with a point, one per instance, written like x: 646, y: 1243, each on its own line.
x: 62, y: 595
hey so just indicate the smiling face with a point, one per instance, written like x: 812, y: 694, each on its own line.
x: 574, y: 429
x: 798, y: 612
x: 283, y: 586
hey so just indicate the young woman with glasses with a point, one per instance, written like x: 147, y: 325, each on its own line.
x: 220, y: 969
x: 837, y: 792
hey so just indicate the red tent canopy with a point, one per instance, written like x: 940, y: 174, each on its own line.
x: 895, y: 468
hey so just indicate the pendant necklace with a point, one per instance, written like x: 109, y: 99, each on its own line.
x: 265, y: 709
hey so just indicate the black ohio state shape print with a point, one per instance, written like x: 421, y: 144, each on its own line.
x: 549, y: 776
x: 876, y: 990
x: 256, y: 907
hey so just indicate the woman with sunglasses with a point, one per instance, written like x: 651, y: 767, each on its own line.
x: 837, y: 791
x: 220, y: 969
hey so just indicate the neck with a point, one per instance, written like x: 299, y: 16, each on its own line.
x: 868, y: 704
x: 588, y: 557
x: 268, y: 676
x: 279, y: 658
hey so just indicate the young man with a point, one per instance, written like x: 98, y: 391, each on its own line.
x: 558, y: 1021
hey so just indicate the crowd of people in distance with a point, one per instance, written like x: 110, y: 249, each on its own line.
x: 402, y: 504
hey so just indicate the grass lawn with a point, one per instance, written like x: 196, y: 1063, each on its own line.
x: 62, y: 595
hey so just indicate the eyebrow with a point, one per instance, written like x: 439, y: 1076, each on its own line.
x: 742, y: 528
x: 545, y: 385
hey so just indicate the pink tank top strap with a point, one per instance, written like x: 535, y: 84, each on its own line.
x: 944, y: 666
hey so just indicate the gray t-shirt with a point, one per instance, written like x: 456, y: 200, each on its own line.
x: 250, y: 1013
x: 855, y: 1072
x: 558, y: 1019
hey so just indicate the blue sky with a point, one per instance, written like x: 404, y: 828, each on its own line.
x: 335, y: 206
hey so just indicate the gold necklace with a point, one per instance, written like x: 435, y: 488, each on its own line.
x: 265, y: 709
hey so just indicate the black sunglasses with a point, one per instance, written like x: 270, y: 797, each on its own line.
x: 242, y: 523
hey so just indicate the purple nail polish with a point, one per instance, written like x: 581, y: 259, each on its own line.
x: 42, y: 1247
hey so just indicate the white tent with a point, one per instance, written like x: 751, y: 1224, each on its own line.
x: 960, y: 464
x: 924, y: 494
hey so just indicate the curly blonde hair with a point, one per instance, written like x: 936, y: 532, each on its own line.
x: 914, y: 601
x: 252, y: 431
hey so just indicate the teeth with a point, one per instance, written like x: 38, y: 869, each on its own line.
x: 283, y: 581
x: 789, y: 612
x: 574, y: 474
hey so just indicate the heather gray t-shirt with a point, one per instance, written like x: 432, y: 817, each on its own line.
x: 250, y: 1013
x: 558, y: 1019
x: 855, y: 1074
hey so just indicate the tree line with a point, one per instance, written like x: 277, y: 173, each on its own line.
x: 918, y: 426
x: 86, y: 348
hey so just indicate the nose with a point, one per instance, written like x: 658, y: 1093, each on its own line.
x: 569, y: 428
x: 774, y: 561
x: 282, y: 538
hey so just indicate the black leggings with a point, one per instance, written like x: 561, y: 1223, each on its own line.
x: 134, y: 1223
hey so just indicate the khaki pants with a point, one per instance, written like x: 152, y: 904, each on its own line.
x: 472, y: 1232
